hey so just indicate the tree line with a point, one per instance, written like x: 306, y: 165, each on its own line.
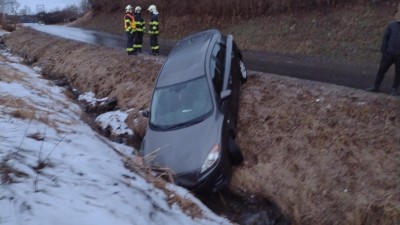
x: 12, y: 13
x: 227, y: 8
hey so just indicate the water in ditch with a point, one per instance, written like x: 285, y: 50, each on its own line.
x: 244, y: 209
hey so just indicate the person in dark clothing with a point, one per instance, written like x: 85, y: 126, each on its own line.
x: 153, y: 30
x: 130, y: 26
x: 140, y: 28
x: 390, y: 50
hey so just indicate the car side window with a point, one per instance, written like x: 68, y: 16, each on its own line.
x: 217, y: 67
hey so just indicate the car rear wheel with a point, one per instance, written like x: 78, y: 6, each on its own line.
x: 243, y: 71
x: 234, y: 152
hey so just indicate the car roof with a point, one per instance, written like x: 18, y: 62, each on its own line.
x: 187, y: 59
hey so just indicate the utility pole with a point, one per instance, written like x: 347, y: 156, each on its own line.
x: 40, y: 13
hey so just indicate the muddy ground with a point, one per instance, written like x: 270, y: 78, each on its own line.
x: 325, y: 154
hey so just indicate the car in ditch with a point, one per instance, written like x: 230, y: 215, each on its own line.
x: 192, y: 121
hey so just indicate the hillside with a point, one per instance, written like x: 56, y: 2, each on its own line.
x: 347, y: 32
x: 324, y: 154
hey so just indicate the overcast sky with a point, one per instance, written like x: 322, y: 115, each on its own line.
x: 49, y: 5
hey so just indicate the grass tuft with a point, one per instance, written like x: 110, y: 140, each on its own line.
x: 8, y: 174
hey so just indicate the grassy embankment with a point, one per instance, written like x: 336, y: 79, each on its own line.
x: 343, y: 30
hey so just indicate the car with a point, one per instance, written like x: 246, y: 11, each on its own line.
x: 192, y: 121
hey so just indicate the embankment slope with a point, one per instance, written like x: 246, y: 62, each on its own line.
x: 325, y: 154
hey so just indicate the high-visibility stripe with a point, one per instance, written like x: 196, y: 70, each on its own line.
x: 153, y: 32
x: 153, y: 26
x: 155, y: 47
x: 140, y: 26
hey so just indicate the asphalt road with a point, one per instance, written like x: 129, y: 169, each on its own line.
x: 348, y: 74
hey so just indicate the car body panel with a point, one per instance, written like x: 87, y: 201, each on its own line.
x: 183, y: 150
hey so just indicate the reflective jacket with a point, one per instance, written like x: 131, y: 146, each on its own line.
x: 153, y: 25
x: 129, y: 23
x: 140, y: 23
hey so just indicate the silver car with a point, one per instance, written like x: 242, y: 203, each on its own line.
x: 194, y: 112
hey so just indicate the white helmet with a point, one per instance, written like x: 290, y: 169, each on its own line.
x: 128, y: 8
x: 152, y: 8
x: 138, y: 9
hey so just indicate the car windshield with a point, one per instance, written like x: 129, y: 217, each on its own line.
x: 181, y: 105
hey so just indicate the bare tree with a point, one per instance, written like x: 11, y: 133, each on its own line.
x: 72, y: 9
x: 85, y: 5
x: 25, y: 11
x: 8, y: 6
x: 14, y: 6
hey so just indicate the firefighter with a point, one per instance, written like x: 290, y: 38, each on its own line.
x: 130, y: 26
x: 153, y: 30
x: 140, y: 28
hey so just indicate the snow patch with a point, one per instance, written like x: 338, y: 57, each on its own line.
x: 90, y: 98
x: 115, y: 121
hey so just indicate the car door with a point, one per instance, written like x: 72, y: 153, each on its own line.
x: 235, y: 76
x: 234, y: 81
x: 217, y: 74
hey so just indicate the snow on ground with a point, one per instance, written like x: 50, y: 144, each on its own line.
x: 115, y: 120
x: 54, y: 169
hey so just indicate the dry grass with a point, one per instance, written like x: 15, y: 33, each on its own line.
x: 318, y: 149
x: 19, y: 108
x: 8, y: 174
x: 136, y: 165
x: 8, y: 74
x: 137, y: 123
x: 349, y: 34
x: 36, y: 136
x: 23, y: 113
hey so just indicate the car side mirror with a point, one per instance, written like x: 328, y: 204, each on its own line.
x: 225, y: 94
x: 145, y: 113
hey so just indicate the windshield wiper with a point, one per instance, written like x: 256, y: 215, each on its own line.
x: 185, y: 124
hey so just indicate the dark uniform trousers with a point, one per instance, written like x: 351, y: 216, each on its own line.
x: 387, y: 61
x: 153, y: 31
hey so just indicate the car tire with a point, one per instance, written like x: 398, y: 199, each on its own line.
x: 243, y: 71
x: 235, y: 153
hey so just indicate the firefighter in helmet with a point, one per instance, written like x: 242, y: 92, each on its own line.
x: 140, y: 28
x: 130, y: 27
x: 153, y: 30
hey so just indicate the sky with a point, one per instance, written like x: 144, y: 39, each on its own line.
x: 56, y: 170
x: 49, y: 5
